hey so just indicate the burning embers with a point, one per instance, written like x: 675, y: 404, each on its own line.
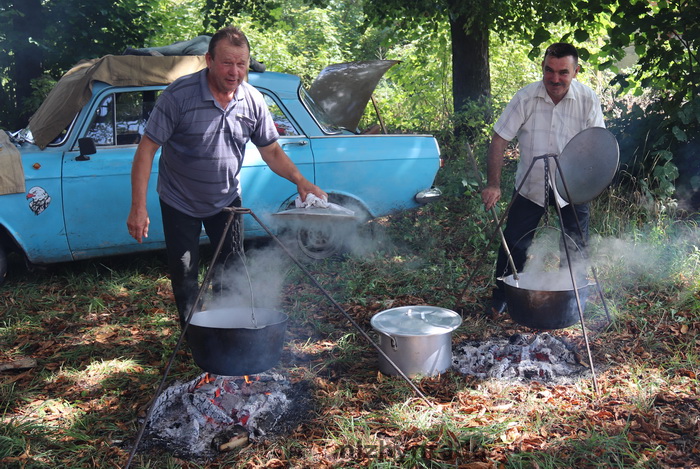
x: 214, y: 413
x: 539, y: 358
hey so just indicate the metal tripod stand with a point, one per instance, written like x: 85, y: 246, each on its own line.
x: 498, y: 230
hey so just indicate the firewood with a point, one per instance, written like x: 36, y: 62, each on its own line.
x: 23, y: 363
x: 236, y: 442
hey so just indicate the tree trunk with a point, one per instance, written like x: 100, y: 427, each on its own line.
x: 27, y: 33
x: 470, y: 60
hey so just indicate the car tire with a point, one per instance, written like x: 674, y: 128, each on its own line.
x: 322, y: 241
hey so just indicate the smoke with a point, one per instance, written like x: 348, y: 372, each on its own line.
x: 630, y: 259
x: 322, y: 235
x: 639, y: 258
x: 546, y: 267
x: 259, y: 278
x: 369, y: 239
x: 255, y: 281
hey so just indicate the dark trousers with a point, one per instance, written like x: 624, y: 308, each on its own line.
x: 523, y: 219
x: 182, y: 233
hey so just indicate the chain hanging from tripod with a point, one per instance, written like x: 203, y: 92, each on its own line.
x: 546, y: 190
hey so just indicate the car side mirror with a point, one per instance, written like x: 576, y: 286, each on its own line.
x: 87, y: 147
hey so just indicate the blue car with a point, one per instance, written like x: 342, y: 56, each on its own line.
x: 65, y: 189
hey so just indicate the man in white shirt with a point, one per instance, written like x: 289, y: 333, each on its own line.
x: 544, y: 116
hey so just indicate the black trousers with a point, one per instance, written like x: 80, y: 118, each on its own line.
x: 182, y: 233
x: 521, y: 223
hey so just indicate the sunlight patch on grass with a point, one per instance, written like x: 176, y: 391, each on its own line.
x: 405, y: 416
x: 57, y: 413
x: 98, y: 371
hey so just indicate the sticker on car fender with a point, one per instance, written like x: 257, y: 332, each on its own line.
x: 39, y: 199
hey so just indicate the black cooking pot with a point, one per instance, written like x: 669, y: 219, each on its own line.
x: 228, y: 342
x: 545, y: 300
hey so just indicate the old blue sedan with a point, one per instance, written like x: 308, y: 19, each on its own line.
x: 63, y: 198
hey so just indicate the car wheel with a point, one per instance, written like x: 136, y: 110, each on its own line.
x: 3, y: 264
x: 319, y: 242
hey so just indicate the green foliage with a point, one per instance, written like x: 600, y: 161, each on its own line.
x: 303, y: 41
x: 658, y: 129
x: 219, y: 13
x: 181, y: 20
x: 415, y: 94
x: 49, y: 37
x: 41, y: 86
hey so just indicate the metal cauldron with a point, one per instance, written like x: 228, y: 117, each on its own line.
x: 229, y: 342
x: 545, y: 300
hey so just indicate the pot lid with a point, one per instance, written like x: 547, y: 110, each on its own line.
x: 588, y: 164
x: 330, y: 214
x: 416, y: 320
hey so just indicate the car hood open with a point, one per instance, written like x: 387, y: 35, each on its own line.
x: 343, y: 90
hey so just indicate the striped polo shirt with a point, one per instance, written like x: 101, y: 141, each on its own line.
x: 203, y: 144
x: 543, y: 128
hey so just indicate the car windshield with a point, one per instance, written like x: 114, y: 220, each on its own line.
x: 63, y: 136
x: 318, y: 114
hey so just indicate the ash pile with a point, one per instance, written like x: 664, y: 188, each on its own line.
x: 522, y: 357
x: 210, y: 414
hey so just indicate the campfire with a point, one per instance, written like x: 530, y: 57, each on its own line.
x: 536, y: 357
x: 210, y: 414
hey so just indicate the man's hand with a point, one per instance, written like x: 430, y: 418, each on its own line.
x: 138, y: 223
x: 490, y: 196
x: 138, y: 220
x: 305, y: 188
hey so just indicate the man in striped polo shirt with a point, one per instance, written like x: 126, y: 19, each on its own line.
x: 202, y: 122
x: 543, y: 116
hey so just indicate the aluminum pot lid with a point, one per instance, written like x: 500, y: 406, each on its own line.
x: 588, y: 164
x: 329, y: 214
x: 416, y: 320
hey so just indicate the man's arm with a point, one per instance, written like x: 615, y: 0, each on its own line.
x: 494, y: 164
x: 138, y: 220
x: 279, y: 162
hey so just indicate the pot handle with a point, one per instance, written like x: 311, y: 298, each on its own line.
x: 391, y: 338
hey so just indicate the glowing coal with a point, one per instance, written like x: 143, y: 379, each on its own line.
x: 539, y: 358
x: 195, y: 418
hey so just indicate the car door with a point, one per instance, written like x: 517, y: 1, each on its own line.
x: 263, y: 191
x: 97, y: 188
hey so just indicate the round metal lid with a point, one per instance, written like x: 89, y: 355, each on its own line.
x: 588, y: 163
x: 416, y: 320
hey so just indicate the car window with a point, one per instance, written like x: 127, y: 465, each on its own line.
x: 282, y: 122
x: 120, y: 118
x: 318, y: 113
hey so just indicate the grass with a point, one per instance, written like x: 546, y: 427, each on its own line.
x: 101, y: 332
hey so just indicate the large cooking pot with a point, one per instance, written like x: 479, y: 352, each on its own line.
x: 545, y: 300
x: 228, y: 342
x: 418, y: 339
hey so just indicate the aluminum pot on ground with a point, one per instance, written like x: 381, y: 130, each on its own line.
x: 418, y: 339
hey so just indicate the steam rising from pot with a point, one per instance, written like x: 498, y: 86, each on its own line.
x: 623, y: 261
x: 255, y: 282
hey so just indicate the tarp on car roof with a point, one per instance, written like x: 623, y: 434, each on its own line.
x: 74, y: 89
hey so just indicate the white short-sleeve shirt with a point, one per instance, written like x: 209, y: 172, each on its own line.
x: 545, y: 128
